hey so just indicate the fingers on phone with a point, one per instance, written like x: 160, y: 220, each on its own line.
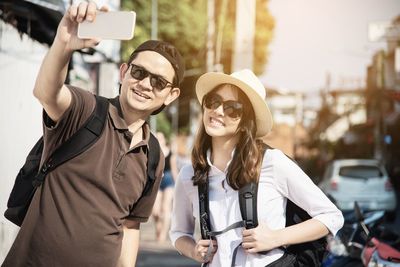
x: 72, y: 12
x: 104, y: 8
x: 91, y: 11
x: 82, y: 9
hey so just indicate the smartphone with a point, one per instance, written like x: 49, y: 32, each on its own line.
x: 118, y: 25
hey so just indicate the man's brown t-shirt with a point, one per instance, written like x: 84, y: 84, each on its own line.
x: 76, y: 216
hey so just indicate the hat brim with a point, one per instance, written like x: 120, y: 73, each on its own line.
x: 208, y: 81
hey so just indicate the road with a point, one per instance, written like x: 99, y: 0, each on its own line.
x: 154, y: 254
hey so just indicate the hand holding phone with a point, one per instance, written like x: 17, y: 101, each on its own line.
x: 118, y: 25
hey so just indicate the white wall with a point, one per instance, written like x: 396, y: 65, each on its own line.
x: 20, y: 115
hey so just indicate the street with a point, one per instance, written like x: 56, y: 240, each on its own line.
x: 153, y: 254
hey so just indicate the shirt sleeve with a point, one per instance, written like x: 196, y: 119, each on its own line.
x: 82, y: 105
x: 183, y: 222
x: 295, y: 185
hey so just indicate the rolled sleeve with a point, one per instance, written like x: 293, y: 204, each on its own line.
x: 183, y: 222
x: 301, y: 190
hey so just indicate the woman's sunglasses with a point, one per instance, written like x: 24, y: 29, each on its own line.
x: 232, y: 109
x: 157, y: 82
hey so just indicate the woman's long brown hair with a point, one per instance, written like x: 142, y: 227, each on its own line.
x: 246, y: 163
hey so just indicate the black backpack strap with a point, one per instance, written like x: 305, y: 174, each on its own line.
x: 248, y: 200
x: 248, y: 204
x: 204, y: 210
x: 79, y: 142
x: 205, y: 225
x: 153, y: 157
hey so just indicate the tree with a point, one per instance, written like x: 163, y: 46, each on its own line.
x: 184, y: 24
x: 265, y: 24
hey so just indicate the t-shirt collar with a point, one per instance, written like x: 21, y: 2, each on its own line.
x: 116, y: 115
x: 119, y: 123
x: 215, y: 170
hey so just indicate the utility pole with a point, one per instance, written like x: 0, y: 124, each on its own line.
x: 154, y: 19
x: 380, y: 86
x: 244, y: 34
x: 210, y: 34
x: 154, y: 35
x: 220, y: 33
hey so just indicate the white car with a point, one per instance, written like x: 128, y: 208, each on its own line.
x: 363, y: 180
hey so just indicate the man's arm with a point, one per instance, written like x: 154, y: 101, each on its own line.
x: 49, y: 87
x: 130, y: 244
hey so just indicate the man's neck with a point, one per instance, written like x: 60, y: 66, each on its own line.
x: 135, y: 122
x: 137, y: 132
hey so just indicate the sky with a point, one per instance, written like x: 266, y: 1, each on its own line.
x: 315, y: 37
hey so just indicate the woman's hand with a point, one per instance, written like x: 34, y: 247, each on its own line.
x: 68, y: 27
x: 261, y: 238
x: 201, y: 249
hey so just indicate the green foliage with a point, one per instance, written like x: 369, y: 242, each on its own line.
x: 163, y: 125
x: 182, y: 23
x: 265, y: 24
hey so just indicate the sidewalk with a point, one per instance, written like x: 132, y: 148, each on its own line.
x: 154, y: 254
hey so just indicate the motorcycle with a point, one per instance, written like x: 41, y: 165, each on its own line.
x: 382, y: 249
x: 346, y: 247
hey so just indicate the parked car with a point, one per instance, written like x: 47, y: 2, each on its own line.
x: 363, y: 180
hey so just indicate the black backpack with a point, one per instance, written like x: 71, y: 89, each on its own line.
x: 307, y: 254
x: 32, y: 175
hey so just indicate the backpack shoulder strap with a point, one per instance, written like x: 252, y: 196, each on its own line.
x: 79, y: 142
x: 153, y: 157
x: 248, y: 200
x: 205, y: 225
x: 248, y: 204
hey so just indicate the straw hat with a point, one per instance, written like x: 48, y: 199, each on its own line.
x: 248, y: 82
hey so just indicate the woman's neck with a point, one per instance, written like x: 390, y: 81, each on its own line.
x: 222, y: 151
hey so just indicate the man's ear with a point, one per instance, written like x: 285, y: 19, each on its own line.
x: 122, y: 71
x: 173, y: 94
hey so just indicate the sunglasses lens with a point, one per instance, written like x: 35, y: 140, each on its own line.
x: 212, y: 101
x: 233, y: 109
x: 138, y: 73
x: 158, y: 82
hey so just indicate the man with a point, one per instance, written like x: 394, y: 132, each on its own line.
x: 89, y: 209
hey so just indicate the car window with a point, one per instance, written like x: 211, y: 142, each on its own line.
x: 360, y: 171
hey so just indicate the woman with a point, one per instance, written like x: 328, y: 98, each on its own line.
x: 228, y: 152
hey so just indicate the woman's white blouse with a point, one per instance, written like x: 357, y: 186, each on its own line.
x: 280, y: 178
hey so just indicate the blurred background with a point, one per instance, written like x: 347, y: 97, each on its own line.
x: 331, y: 70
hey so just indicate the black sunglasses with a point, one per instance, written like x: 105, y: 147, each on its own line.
x: 156, y: 81
x: 233, y: 109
